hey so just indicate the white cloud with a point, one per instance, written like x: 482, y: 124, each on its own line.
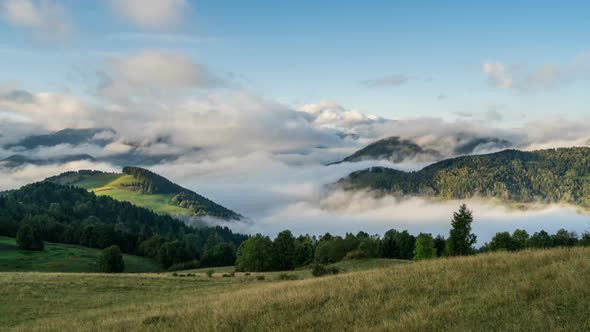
x: 154, y: 70
x: 498, y: 75
x: 333, y: 115
x: 544, y: 77
x: 45, y: 18
x: 152, y: 14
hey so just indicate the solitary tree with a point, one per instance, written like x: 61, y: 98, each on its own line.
x: 461, y: 240
x: 110, y: 260
x: 424, y: 247
x: 29, y: 238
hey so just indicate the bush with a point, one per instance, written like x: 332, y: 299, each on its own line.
x: 356, y: 254
x: 194, y: 264
x: 110, y: 260
x: 210, y: 273
x: 29, y: 238
x: 318, y: 270
x: 260, y: 277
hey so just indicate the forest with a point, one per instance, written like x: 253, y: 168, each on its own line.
x: 67, y: 214
x: 546, y: 176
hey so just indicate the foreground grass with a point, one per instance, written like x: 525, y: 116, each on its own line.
x: 527, y: 291
x: 62, y: 258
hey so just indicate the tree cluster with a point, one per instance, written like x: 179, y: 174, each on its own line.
x: 64, y: 214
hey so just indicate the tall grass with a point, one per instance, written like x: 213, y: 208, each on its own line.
x: 526, y: 291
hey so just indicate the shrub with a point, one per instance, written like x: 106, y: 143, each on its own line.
x: 194, y: 264
x: 318, y: 270
x: 210, y: 273
x: 110, y: 260
x: 29, y: 238
x: 260, y: 277
x: 247, y: 273
x: 356, y: 254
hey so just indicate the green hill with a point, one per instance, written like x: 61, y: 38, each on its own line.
x: 393, y: 149
x: 63, y: 258
x: 146, y: 189
x: 544, y: 290
x: 72, y: 215
x: 547, y: 176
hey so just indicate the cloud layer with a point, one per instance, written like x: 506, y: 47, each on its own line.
x: 259, y: 157
x: 152, y: 14
x: 45, y: 18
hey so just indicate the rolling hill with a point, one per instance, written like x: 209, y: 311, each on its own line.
x: 543, y: 290
x: 547, y: 176
x: 146, y: 189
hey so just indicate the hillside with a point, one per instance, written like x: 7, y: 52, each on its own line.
x: 63, y: 258
x: 64, y: 136
x: 146, y: 189
x: 71, y: 215
x: 393, y: 149
x: 519, y: 294
x: 548, y: 176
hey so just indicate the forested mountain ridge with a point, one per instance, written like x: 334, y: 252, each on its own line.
x: 550, y: 176
x: 146, y: 189
x: 393, y: 149
x: 72, y: 215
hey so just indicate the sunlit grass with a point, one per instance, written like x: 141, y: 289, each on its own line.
x: 527, y: 291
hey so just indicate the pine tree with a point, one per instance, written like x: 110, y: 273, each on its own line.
x: 461, y: 240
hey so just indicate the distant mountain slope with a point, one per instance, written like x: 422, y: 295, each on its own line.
x: 146, y: 189
x: 550, y: 176
x: 393, y: 149
x: 17, y: 160
x: 65, y: 136
x: 477, y: 144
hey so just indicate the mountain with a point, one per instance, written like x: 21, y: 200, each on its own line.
x: 72, y: 215
x: 65, y: 136
x: 146, y: 189
x: 17, y: 160
x: 473, y: 145
x: 548, y: 176
x: 393, y: 149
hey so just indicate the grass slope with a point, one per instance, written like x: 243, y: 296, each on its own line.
x: 526, y: 291
x: 62, y: 258
x: 128, y: 188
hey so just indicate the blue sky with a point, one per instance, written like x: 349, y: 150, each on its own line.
x: 428, y: 55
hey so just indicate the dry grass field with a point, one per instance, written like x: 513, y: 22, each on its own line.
x: 544, y: 290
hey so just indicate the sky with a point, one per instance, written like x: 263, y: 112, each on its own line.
x: 254, y: 98
x: 391, y: 58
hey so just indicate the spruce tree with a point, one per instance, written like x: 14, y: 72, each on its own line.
x: 461, y: 240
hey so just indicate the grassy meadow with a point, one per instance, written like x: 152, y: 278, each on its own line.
x: 62, y: 258
x: 545, y: 290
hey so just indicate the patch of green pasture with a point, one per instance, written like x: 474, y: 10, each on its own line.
x: 62, y: 258
x: 156, y: 202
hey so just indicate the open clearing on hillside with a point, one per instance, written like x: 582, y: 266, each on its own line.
x: 62, y: 258
x: 533, y: 290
